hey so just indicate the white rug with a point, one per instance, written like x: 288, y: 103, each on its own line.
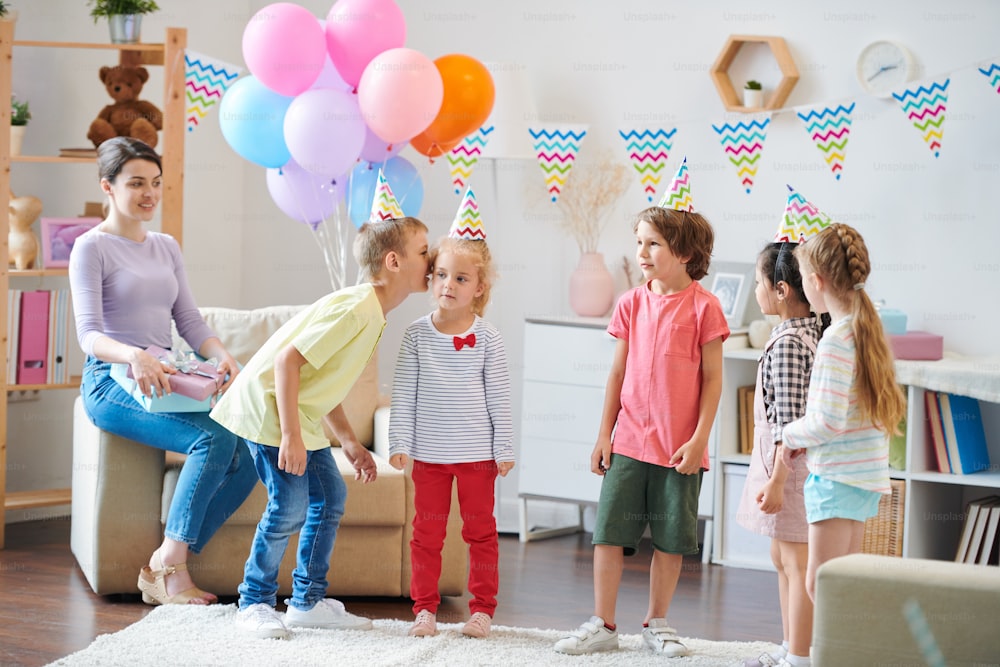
x: 179, y: 635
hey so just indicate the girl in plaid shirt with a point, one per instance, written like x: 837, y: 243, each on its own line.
x: 772, y: 504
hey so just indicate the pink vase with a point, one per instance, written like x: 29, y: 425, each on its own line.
x: 591, y: 286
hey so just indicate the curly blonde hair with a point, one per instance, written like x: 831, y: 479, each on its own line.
x: 479, y: 253
x: 839, y: 256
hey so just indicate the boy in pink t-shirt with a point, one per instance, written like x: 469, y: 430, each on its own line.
x: 662, y: 394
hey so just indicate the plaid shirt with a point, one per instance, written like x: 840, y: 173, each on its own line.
x: 785, y: 373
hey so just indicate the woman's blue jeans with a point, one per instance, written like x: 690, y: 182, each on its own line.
x: 218, y: 474
x: 313, y: 503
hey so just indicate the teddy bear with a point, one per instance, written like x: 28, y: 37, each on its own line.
x: 128, y: 116
x: 22, y: 243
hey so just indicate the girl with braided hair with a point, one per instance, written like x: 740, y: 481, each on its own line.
x: 854, y: 404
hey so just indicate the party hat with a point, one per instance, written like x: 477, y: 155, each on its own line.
x: 384, y: 204
x: 800, y: 220
x: 468, y: 225
x: 678, y: 195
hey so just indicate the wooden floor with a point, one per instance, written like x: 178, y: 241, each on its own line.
x: 48, y: 611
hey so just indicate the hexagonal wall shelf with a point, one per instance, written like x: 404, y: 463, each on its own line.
x: 720, y: 72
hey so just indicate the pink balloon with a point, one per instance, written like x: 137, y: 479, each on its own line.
x: 400, y: 94
x: 284, y: 47
x: 359, y: 30
x: 304, y: 196
x: 376, y: 150
x: 324, y: 130
x: 329, y: 77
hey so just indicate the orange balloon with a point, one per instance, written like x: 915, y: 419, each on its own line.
x: 468, y: 98
x: 427, y: 146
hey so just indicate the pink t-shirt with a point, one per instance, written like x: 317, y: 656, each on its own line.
x: 661, y: 392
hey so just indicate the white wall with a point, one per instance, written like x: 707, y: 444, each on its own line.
x: 930, y: 224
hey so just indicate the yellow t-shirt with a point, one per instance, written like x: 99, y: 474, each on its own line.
x: 337, y: 335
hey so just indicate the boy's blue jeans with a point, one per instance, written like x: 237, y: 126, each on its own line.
x: 313, y: 503
x: 218, y: 474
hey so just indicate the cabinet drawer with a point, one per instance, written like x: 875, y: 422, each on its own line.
x: 561, y: 412
x: 557, y: 469
x: 567, y: 354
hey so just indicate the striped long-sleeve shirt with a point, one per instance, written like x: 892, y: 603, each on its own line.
x: 451, y: 401
x: 839, y: 445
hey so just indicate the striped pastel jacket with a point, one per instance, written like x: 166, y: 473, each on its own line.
x: 839, y: 446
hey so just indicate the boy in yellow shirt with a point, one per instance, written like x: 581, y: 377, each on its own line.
x: 278, y: 403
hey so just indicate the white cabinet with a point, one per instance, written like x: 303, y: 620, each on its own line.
x: 934, y: 503
x: 566, y: 366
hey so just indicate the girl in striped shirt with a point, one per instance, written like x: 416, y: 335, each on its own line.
x: 854, y: 403
x: 451, y: 414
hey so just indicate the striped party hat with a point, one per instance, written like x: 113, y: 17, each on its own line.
x: 800, y: 220
x: 384, y: 204
x: 467, y: 224
x: 678, y: 195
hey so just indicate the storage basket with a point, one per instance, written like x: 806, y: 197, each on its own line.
x: 884, y: 531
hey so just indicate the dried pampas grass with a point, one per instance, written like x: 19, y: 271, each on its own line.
x: 591, y: 192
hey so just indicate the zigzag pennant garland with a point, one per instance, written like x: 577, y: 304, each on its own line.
x: 556, y: 149
x: 648, y: 151
x: 468, y: 225
x: 463, y: 157
x: 829, y: 129
x: 743, y: 143
x: 992, y: 74
x: 926, y: 107
x: 205, y: 80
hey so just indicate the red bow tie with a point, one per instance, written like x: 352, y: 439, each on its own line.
x: 469, y: 340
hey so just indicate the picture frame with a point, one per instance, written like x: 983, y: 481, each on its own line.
x: 734, y: 283
x: 58, y: 237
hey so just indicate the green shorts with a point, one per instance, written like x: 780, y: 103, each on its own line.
x: 636, y: 494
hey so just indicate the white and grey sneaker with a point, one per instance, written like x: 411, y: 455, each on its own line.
x: 763, y: 660
x: 261, y: 621
x: 591, y: 637
x: 662, y: 639
x: 327, y: 614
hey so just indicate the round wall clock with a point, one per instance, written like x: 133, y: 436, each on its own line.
x: 884, y: 66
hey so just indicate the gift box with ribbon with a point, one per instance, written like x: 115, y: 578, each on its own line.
x: 193, y: 387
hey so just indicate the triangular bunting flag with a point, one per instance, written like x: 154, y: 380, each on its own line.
x: 678, y: 195
x: 384, y: 204
x: 925, y: 107
x: 205, y: 81
x: 800, y: 220
x: 743, y: 143
x: 467, y: 224
x: 556, y: 149
x: 992, y: 73
x: 463, y: 157
x: 648, y: 151
x: 829, y: 128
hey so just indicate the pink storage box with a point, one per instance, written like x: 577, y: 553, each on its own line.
x: 917, y: 346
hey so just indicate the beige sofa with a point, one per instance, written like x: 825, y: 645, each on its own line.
x: 860, y: 619
x: 121, y: 492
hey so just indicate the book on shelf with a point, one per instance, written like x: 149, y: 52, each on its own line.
x: 990, y: 545
x: 78, y: 152
x: 936, y: 433
x: 13, y: 332
x: 32, y: 351
x: 962, y: 423
x: 969, y: 544
x: 59, y: 332
x: 744, y: 397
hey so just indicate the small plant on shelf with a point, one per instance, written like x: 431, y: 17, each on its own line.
x: 104, y: 8
x: 4, y: 9
x: 752, y: 85
x: 20, y: 114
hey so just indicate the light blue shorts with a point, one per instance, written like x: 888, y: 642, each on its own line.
x: 826, y: 499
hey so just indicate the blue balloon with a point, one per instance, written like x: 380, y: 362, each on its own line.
x: 252, y: 119
x: 403, y: 179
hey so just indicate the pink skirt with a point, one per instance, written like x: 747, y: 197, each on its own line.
x: 787, y: 525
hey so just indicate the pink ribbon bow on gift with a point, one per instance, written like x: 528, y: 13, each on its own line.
x: 469, y: 340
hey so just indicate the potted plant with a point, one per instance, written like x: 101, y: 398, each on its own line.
x: 20, y: 114
x: 124, y: 17
x: 753, y: 95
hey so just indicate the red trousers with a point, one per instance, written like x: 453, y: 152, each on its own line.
x: 432, y: 483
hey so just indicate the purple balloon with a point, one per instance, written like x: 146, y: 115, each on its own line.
x: 378, y: 151
x: 324, y: 130
x: 329, y: 77
x: 304, y: 196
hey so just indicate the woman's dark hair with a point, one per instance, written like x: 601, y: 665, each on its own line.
x: 112, y: 155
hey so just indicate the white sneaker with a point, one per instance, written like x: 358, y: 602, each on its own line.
x: 663, y: 639
x: 327, y: 613
x: 262, y: 621
x: 591, y: 637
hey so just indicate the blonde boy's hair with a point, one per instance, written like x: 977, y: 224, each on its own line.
x: 688, y: 235
x: 839, y: 255
x: 377, y: 239
x: 479, y: 253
